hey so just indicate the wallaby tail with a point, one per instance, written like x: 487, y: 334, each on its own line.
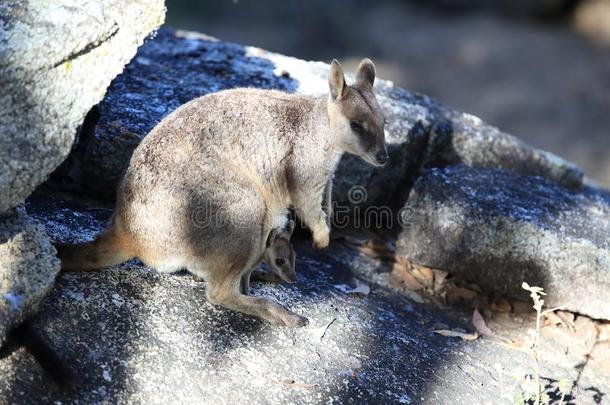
x: 108, y: 249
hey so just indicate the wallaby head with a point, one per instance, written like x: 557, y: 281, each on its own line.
x: 354, y: 114
x: 280, y: 254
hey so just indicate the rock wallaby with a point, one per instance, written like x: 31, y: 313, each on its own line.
x: 206, y: 186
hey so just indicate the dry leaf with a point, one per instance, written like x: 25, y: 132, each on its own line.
x: 402, y: 261
x: 521, y: 307
x: 404, y: 278
x: 514, y: 344
x: 553, y: 319
x: 502, y: 305
x: 439, y: 279
x: 567, y: 318
x: 480, y: 325
x: 427, y: 272
x: 424, y: 275
x: 377, y: 252
x: 360, y: 288
x: 455, y: 333
x: 603, y: 331
x: 463, y: 295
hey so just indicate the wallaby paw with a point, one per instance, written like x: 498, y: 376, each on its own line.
x: 289, y: 320
x: 321, y: 235
x: 321, y: 241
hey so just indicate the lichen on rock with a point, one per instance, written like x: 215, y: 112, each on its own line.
x: 56, y: 60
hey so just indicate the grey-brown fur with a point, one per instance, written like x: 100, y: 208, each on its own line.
x: 207, y: 185
x: 279, y: 256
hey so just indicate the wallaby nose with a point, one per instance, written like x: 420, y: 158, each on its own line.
x: 382, y: 157
x: 290, y: 277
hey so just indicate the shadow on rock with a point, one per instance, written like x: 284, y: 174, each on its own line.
x: 169, y: 70
x: 499, y: 229
x: 131, y: 334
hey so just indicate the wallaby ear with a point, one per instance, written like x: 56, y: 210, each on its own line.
x: 336, y: 80
x: 365, y: 74
x: 271, y: 237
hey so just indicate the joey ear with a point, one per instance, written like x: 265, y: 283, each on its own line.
x: 365, y: 74
x: 289, y: 229
x: 336, y: 80
x: 286, y: 232
x: 271, y: 237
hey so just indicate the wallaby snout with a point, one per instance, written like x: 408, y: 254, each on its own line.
x: 377, y: 157
x: 288, y: 274
x: 382, y: 157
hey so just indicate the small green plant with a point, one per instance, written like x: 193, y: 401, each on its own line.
x: 537, y: 293
x: 527, y: 386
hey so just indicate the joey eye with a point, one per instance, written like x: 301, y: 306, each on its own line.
x: 356, y: 127
x: 279, y: 262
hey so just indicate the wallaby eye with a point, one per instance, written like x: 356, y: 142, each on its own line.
x: 279, y: 262
x: 356, y: 127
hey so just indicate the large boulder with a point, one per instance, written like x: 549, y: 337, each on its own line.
x: 499, y: 229
x: 56, y: 60
x: 175, y: 67
x: 28, y: 267
x: 133, y: 335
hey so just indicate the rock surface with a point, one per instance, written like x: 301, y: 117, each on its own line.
x: 133, y: 335
x: 498, y: 229
x: 174, y: 67
x: 56, y: 61
x: 28, y: 267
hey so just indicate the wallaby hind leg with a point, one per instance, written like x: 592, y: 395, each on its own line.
x: 227, y: 293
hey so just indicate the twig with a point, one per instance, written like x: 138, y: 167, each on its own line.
x: 326, y: 328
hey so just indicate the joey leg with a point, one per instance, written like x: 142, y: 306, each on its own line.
x: 327, y: 201
x: 244, y: 285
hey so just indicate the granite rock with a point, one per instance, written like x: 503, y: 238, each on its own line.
x: 133, y: 335
x: 56, y: 60
x: 498, y: 229
x: 28, y: 267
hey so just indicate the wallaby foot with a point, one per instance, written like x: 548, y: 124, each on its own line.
x: 267, y: 309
